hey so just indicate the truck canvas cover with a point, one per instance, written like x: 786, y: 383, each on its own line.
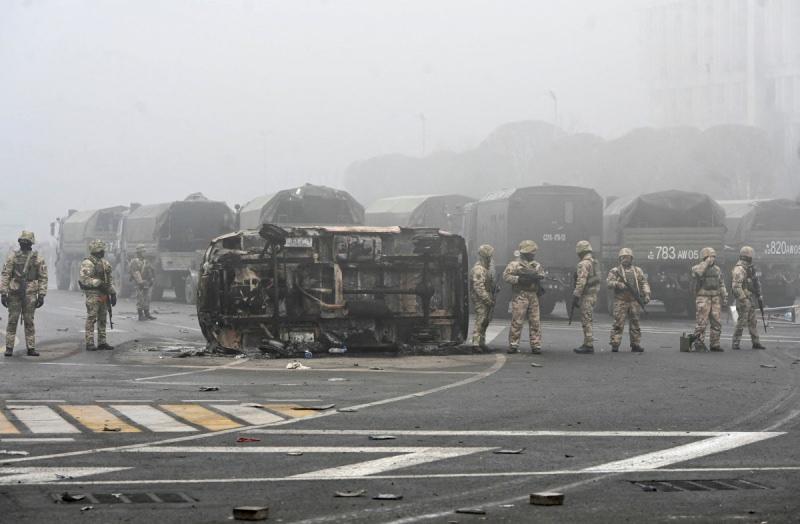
x: 442, y: 211
x: 178, y: 226
x: 772, y: 228
x: 83, y: 226
x: 672, y: 209
x: 304, y: 205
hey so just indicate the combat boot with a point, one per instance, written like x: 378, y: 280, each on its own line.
x: 32, y: 352
x: 9, y: 351
x: 716, y: 348
x: 148, y: 316
x: 105, y: 346
x: 735, y: 345
x: 757, y: 345
x: 636, y: 348
x: 584, y: 349
x: 140, y: 312
x: 512, y: 349
x: 91, y: 347
x: 614, y: 348
x: 536, y: 351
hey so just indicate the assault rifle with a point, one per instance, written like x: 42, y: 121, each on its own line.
x: 757, y: 293
x: 635, y: 294
x: 105, y: 290
x: 23, y: 279
x: 575, y: 301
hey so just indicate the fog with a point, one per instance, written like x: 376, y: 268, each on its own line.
x: 104, y: 103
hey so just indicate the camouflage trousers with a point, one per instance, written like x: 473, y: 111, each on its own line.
x: 17, y: 306
x: 483, y: 315
x: 525, y: 304
x: 587, y: 308
x: 96, y: 313
x: 143, y: 297
x: 626, y: 309
x: 747, y: 318
x: 708, y: 311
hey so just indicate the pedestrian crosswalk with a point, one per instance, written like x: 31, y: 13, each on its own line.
x: 118, y: 417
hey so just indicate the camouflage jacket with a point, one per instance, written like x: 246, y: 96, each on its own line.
x: 634, y: 276
x: 742, y: 281
x: 517, y: 267
x: 14, y: 272
x: 481, y: 284
x: 586, y: 279
x: 709, y: 281
x: 141, y: 271
x: 96, y: 273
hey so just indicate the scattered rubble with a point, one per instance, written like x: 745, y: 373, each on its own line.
x: 68, y: 497
x: 547, y: 498
x: 769, y: 366
x: 208, y: 388
x: 251, y: 513
x: 382, y: 437
x: 387, y: 496
x: 248, y: 439
x: 322, y: 407
x: 11, y: 452
x: 508, y: 451
x: 471, y: 511
x: 296, y: 365
x: 350, y: 494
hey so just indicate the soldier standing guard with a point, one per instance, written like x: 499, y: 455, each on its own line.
x: 525, y: 276
x: 711, y: 295
x: 584, y: 295
x: 745, y: 289
x: 482, y: 289
x: 98, y: 287
x: 142, y: 274
x: 627, y: 281
x: 23, y: 286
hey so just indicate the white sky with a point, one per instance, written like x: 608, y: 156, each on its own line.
x: 108, y: 102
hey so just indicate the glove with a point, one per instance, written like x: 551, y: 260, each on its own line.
x: 619, y: 285
x: 113, y: 299
x: 647, y: 299
x: 39, y: 301
x: 4, y: 300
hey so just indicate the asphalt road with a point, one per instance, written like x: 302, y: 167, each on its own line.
x: 657, y: 436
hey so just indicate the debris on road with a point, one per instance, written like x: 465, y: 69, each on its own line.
x: 350, y: 494
x: 209, y: 388
x: 322, y: 407
x: 253, y: 405
x: 108, y: 428
x: 535, y: 365
x: 768, y: 366
x: 508, y: 451
x: 376, y: 369
x: 347, y: 410
x: 251, y: 513
x: 248, y: 439
x: 63, y: 330
x: 87, y: 508
x: 59, y: 476
x: 68, y: 497
x: 547, y: 498
x: 11, y: 452
x: 337, y: 379
x: 387, y: 496
x: 506, y: 505
x: 296, y: 365
x: 382, y: 437
x: 472, y: 511
x: 295, y: 453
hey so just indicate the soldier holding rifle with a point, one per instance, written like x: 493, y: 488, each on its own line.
x: 631, y: 294
x: 746, y: 288
x: 98, y: 286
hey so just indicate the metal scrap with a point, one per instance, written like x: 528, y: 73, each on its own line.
x: 11, y: 452
x: 472, y: 511
x: 208, y: 388
x: 382, y: 437
x: 248, y: 439
x: 350, y: 494
x: 68, y: 497
x: 251, y: 513
x: 508, y: 451
x: 387, y: 496
x: 314, y: 408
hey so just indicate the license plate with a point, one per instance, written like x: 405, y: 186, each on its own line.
x: 299, y: 242
x: 301, y: 336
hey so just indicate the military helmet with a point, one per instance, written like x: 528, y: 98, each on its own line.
x: 707, y: 252
x: 486, y: 251
x: 27, y: 235
x: 96, y: 246
x: 528, y: 246
x: 625, y: 252
x: 583, y: 246
x: 747, y: 251
x: 140, y: 248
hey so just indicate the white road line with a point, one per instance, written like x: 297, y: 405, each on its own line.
x: 152, y: 419
x: 666, y: 457
x: 13, y: 476
x: 283, y: 449
x: 16, y: 401
x: 42, y: 419
x: 500, y: 433
x: 177, y: 326
x: 38, y: 440
x: 120, y: 401
x: 204, y: 370
x: 784, y: 420
x: 249, y: 414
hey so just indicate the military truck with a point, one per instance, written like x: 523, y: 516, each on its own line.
x: 174, y: 235
x: 442, y: 211
x: 555, y: 217
x: 290, y: 289
x: 304, y: 205
x: 666, y: 231
x: 73, y: 234
x: 772, y: 229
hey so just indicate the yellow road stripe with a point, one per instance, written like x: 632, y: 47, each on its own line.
x: 201, y: 416
x: 286, y: 409
x: 97, y: 418
x: 6, y: 426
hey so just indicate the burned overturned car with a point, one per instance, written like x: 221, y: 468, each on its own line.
x: 287, y: 290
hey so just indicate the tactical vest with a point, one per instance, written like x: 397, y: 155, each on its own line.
x: 98, y: 272
x: 593, y: 281
x: 32, y: 273
x: 747, y: 284
x: 711, y: 279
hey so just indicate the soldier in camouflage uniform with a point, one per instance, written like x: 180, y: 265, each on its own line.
x: 482, y: 290
x: 584, y: 296
x: 711, y: 295
x: 525, y: 276
x: 142, y: 274
x: 23, y: 286
x: 744, y: 288
x: 98, y: 287
x: 625, y: 303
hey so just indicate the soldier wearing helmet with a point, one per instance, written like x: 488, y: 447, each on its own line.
x: 525, y: 276
x: 584, y: 296
x: 23, y: 286
x: 744, y: 285
x: 627, y: 281
x: 98, y: 287
x: 141, y: 272
x: 710, y: 296
x: 482, y: 290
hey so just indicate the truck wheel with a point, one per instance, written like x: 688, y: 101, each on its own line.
x: 74, y: 274
x: 62, y: 277
x: 179, y: 286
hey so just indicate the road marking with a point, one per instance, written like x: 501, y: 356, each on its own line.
x: 6, y: 426
x: 200, y: 416
x: 152, y: 419
x: 784, y: 420
x: 12, y: 476
x: 290, y: 411
x: 42, y: 419
x: 98, y: 419
x: 201, y: 370
x: 177, y: 326
x: 38, y: 440
x: 501, y: 433
x: 249, y: 414
x: 686, y: 452
x: 115, y: 330
x: 17, y: 401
